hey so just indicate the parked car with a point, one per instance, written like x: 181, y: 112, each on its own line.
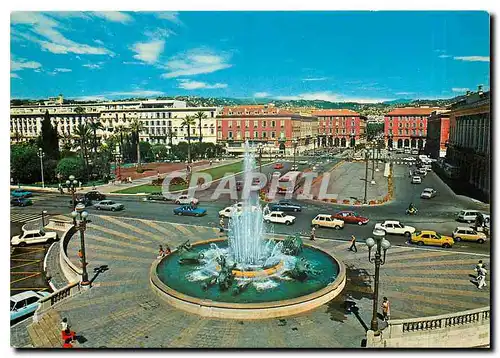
x: 422, y: 171
x: 276, y: 174
x: 95, y: 195
x: 21, y: 193
x: 470, y: 216
x: 294, y: 167
x: 80, y: 199
x: 326, y: 220
x: 285, y: 205
x: 462, y: 233
x: 278, y: 166
x: 279, y: 217
x: 34, y: 237
x: 25, y: 303
x: 108, y: 205
x: 395, y: 228
x: 431, y: 238
x: 416, y: 180
x: 156, y: 197
x: 302, y: 162
x: 189, y: 210
x: 428, y: 193
x: 184, y: 199
x: 20, y: 202
x: 351, y: 217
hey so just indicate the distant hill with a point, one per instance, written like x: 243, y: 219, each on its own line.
x: 399, y: 101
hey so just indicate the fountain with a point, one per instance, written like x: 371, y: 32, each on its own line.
x: 251, y: 274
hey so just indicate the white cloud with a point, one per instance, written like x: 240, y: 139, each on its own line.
x: 462, y: 89
x: 14, y: 75
x: 63, y: 70
x: 331, y: 97
x: 172, y: 16
x: 99, y: 42
x: 404, y: 93
x: 42, y: 29
x: 93, y: 66
x: 473, y: 58
x: 315, y: 79
x: 261, y: 94
x: 191, y: 85
x: 444, y: 56
x: 114, y: 16
x: 148, y: 52
x: 133, y: 63
x: 21, y: 64
x: 195, y: 62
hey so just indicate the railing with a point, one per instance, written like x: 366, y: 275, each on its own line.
x: 70, y: 271
x: 48, y: 302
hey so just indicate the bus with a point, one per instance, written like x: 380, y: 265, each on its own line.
x: 286, y: 181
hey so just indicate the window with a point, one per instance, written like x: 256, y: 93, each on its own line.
x: 282, y: 123
x: 255, y: 124
x: 247, y: 134
x: 219, y: 135
x: 264, y: 135
x: 212, y: 114
x: 169, y: 115
x: 31, y: 300
x: 256, y: 134
x: 273, y: 134
x: 238, y: 124
x: 211, y: 131
x: 230, y: 135
x: 170, y: 123
x: 264, y: 124
x: 230, y: 124
x: 247, y: 124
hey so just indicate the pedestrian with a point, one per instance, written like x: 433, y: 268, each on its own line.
x: 167, y: 250
x: 59, y: 187
x: 479, y: 221
x: 478, y: 268
x: 65, y: 325
x: 386, y: 309
x: 481, y: 278
x: 353, y: 244
x: 161, y: 253
x: 80, y: 254
x: 221, y: 225
x: 67, y: 343
x: 313, y: 234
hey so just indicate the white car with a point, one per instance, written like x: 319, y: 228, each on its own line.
x: 410, y: 159
x: 234, y: 209
x: 294, y: 167
x: 428, y: 193
x: 325, y: 220
x: 276, y: 174
x: 25, y: 303
x: 470, y: 216
x: 279, y: 217
x: 184, y: 199
x: 302, y: 162
x: 395, y: 228
x: 33, y: 237
x: 416, y: 180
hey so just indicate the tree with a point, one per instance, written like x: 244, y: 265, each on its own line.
x: 159, y: 151
x: 121, y: 131
x: 71, y: 166
x: 136, y: 128
x: 95, y: 126
x: 200, y: 116
x: 79, y: 110
x: 49, y: 140
x: 24, y: 163
x: 83, y: 134
x: 188, y: 121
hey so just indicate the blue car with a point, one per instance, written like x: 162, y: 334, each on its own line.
x: 189, y: 210
x: 25, y: 303
x: 285, y: 205
x: 21, y: 193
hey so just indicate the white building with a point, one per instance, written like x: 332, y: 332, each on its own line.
x: 161, y: 119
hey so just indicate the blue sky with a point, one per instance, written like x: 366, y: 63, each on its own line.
x: 337, y: 56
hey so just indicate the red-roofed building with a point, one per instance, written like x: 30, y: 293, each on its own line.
x: 407, y: 127
x: 274, y: 128
x: 340, y: 127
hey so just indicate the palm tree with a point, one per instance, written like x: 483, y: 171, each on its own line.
x: 200, y: 116
x: 136, y: 128
x: 83, y: 133
x: 95, y: 126
x: 121, y: 130
x: 188, y: 121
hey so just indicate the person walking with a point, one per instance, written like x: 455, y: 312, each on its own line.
x: 353, y: 244
x: 221, y: 225
x: 313, y: 234
x: 386, y: 309
x: 481, y: 278
x: 478, y: 267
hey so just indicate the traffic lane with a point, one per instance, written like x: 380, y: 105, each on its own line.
x: 26, y: 269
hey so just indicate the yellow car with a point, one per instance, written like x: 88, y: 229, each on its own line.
x: 468, y: 234
x: 325, y: 220
x: 431, y: 238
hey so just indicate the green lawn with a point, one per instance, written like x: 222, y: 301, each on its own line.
x: 216, y: 173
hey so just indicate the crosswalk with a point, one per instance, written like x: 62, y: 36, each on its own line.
x: 24, y: 217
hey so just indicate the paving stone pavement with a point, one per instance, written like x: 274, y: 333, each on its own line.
x: 121, y: 310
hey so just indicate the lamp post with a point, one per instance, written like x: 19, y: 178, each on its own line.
x: 43, y: 218
x: 81, y: 225
x: 71, y: 184
x: 366, y: 172
x: 373, y: 164
x: 41, y: 155
x: 381, y: 246
x: 260, y: 147
x: 295, y: 143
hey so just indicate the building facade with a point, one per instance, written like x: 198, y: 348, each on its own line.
x: 340, y: 128
x: 407, y: 127
x: 469, y: 146
x: 438, y: 130
x: 161, y: 119
x: 275, y: 129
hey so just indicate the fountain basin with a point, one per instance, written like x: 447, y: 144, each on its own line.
x: 288, y: 298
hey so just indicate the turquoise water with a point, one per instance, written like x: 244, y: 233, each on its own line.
x: 175, y: 276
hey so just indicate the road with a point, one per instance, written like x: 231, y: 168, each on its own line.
x: 435, y: 214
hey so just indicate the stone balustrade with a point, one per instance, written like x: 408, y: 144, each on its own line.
x: 48, y: 302
x: 457, y: 330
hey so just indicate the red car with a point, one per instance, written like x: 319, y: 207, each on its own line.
x: 351, y: 217
x: 278, y: 166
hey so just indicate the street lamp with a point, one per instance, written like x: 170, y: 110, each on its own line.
x: 366, y: 171
x: 81, y: 224
x: 41, y: 155
x: 43, y: 218
x: 381, y: 245
x: 71, y: 184
x: 260, y: 147
x: 295, y: 143
x: 373, y: 164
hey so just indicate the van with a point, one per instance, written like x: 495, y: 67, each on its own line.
x: 470, y: 216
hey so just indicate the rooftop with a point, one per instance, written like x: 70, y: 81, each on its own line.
x: 335, y: 112
x: 418, y: 111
